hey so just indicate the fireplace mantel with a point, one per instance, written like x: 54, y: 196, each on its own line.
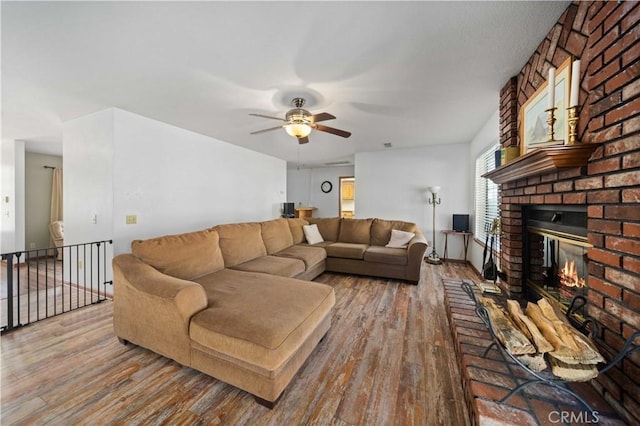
x: 543, y: 160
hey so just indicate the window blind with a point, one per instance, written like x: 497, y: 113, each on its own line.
x: 486, y: 196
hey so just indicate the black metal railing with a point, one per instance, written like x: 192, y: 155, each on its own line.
x: 42, y: 283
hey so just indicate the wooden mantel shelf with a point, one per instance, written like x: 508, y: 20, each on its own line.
x: 543, y: 160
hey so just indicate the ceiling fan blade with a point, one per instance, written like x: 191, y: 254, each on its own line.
x: 268, y: 116
x: 323, y: 116
x: 328, y: 129
x: 265, y: 130
x: 303, y: 140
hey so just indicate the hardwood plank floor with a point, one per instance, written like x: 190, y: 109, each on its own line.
x: 388, y: 359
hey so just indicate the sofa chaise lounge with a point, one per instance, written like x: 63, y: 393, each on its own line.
x: 236, y: 302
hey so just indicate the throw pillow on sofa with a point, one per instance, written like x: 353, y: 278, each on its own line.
x: 312, y: 234
x: 400, y: 239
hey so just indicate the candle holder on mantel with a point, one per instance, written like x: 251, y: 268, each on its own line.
x: 572, y: 119
x: 551, y: 121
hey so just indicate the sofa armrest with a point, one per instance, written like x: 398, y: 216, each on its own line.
x: 152, y: 309
x: 416, y: 249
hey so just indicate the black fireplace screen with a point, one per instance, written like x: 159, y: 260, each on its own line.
x: 555, y: 255
x: 557, y: 264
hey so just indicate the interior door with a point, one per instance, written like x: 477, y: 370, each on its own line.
x: 347, y: 197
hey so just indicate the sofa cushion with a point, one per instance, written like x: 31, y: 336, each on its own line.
x: 240, y: 242
x: 257, y: 319
x: 295, y: 225
x: 276, y: 235
x: 346, y: 250
x: 329, y: 227
x: 311, y: 256
x: 273, y: 265
x: 185, y: 256
x: 392, y: 256
x: 381, y: 230
x: 357, y: 231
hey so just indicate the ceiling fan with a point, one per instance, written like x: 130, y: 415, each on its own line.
x: 299, y: 122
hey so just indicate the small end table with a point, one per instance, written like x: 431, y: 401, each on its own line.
x: 304, y: 212
x: 465, y: 238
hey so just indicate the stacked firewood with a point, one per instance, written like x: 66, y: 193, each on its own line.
x: 542, y: 335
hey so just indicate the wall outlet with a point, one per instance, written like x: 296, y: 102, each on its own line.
x: 80, y: 264
x: 32, y: 245
x: 132, y: 219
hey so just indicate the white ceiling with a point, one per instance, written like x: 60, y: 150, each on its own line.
x: 408, y: 73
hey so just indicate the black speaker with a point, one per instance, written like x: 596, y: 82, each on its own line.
x: 288, y: 210
x: 461, y: 222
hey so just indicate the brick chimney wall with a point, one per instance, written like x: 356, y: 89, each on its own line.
x: 606, y: 37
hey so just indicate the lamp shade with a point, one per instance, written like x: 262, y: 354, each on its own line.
x: 298, y: 130
x: 434, y: 189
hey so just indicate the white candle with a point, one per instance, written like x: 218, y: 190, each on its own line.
x: 552, y: 87
x: 575, y: 83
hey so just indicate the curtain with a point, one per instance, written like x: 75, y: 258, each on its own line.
x: 56, y: 197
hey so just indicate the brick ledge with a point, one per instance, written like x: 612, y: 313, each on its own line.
x: 487, y: 380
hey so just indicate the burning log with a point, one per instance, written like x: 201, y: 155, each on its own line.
x: 569, y: 275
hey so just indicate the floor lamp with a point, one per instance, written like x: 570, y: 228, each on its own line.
x: 434, y: 200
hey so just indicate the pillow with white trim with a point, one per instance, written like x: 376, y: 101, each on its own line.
x: 312, y: 234
x: 400, y: 239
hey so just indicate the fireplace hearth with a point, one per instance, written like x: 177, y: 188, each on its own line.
x: 555, y: 253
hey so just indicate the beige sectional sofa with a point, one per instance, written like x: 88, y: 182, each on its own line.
x: 236, y: 301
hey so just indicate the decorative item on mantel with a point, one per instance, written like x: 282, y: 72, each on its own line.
x: 547, y: 105
x: 433, y: 199
x: 551, y: 97
x: 572, y: 111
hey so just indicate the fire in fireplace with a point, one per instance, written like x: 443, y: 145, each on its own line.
x: 555, y: 252
x: 569, y: 275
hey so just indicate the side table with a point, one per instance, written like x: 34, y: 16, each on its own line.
x: 465, y: 238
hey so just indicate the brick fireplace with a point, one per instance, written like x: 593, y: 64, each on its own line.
x: 606, y: 37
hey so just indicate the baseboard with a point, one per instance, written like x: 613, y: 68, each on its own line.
x: 455, y: 260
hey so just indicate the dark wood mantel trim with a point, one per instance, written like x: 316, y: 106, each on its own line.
x: 543, y: 160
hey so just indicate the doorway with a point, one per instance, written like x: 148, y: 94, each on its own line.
x: 347, y: 197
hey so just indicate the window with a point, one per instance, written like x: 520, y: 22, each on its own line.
x: 487, y: 208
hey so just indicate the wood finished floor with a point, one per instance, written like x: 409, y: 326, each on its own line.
x: 388, y: 359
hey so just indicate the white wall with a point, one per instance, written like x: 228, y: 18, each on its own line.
x: 489, y: 135
x: 175, y: 180
x: 12, y: 159
x: 392, y: 185
x: 303, y: 188
x: 87, y: 202
x: 38, y: 180
x: 118, y: 163
x: 88, y: 178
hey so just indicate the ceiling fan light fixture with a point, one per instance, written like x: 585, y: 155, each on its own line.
x: 298, y: 130
x: 299, y: 123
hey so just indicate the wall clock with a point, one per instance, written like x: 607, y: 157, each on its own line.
x: 326, y: 186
